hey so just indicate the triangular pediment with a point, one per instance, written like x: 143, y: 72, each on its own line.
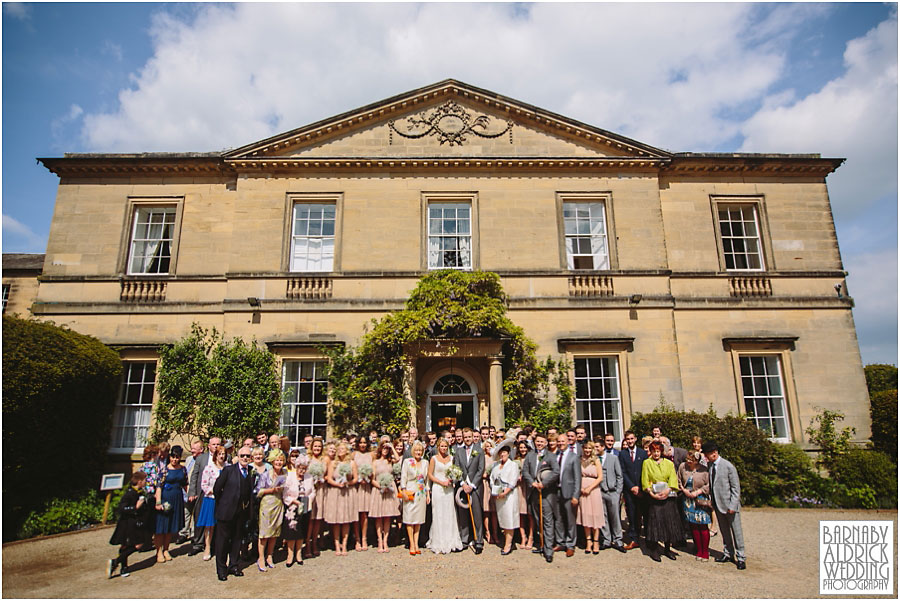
x: 447, y: 119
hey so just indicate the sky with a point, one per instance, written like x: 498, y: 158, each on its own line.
x: 706, y: 77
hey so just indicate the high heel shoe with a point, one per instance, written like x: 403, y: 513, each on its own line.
x: 270, y: 564
x: 511, y: 549
x: 260, y: 568
x: 588, y: 545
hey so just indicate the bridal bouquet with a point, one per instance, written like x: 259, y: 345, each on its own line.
x: 365, y: 471
x: 317, y: 470
x: 386, y: 482
x: 454, y: 473
x: 342, y: 472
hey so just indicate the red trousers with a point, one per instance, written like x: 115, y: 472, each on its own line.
x: 701, y: 539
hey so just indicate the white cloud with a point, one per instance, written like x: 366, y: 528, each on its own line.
x: 59, y: 124
x: 852, y: 116
x: 233, y: 74
x: 23, y: 238
x: 18, y: 10
x: 873, y: 284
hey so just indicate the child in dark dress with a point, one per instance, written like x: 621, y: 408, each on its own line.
x: 130, y: 533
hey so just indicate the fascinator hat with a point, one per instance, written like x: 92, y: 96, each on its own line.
x: 508, y: 443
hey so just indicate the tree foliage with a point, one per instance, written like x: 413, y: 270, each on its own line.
x: 209, y: 386
x: 831, y: 442
x: 56, y: 383
x: 880, y: 376
x: 367, y: 381
x: 882, y: 383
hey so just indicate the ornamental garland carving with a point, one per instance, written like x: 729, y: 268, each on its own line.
x: 451, y: 123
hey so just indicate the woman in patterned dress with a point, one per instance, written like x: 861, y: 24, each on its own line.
x: 590, y: 514
x: 269, y: 488
x: 317, y: 513
x: 363, y: 457
x: 341, y: 509
x: 412, y: 479
x: 693, y: 480
x: 384, y: 504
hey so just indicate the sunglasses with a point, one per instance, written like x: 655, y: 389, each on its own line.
x: 244, y: 455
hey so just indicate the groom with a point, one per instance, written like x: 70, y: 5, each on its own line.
x: 470, y: 459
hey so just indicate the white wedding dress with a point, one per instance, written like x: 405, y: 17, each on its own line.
x: 444, y: 536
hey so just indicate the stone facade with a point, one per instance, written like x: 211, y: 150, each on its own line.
x: 20, y: 282
x: 664, y: 312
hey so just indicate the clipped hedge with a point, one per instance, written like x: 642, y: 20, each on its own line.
x: 869, y: 477
x: 883, y: 410
x: 59, y: 391
x: 739, y: 440
x: 880, y: 376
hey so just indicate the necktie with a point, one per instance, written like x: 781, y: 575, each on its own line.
x: 632, y: 454
x: 244, y: 472
x: 712, y: 482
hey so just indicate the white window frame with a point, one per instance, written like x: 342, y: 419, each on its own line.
x: 134, y: 416
x: 585, y: 222
x: 320, y: 233
x: 587, y: 419
x: 743, y: 238
x: 136, y: 208
x: 6, y: 290
x: 437, y: 238
x: 291, y: 409
x: 761, y: 383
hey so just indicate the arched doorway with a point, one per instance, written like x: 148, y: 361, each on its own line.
x: 451, y: 401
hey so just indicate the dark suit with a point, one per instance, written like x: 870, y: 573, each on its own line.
x: 232, y: 492
x: 472, y: 469
x: 631, y: 475
x: 543, y: 501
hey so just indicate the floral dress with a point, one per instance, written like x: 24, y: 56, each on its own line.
x: 412, y: 478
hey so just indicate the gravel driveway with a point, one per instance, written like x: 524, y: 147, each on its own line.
x: 782, y: 562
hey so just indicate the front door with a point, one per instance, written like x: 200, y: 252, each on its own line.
x: 456, y: 410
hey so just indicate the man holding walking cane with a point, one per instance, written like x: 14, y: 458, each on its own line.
x: 541, y: 475
x: 470, y: 459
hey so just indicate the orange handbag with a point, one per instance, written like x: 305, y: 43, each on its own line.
x: 406, y: 495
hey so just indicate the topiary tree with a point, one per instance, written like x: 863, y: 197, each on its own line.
x: 211, y: 386
x: 367, y: 381
x: 59, y: 387
x: 883, y: 410
x: 880, y: 376
x: 882, y: 383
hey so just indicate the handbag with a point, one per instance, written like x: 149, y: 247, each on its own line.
x: 703, y: 501
x: 406, y: 495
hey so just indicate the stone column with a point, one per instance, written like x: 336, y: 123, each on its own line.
x: 484, y: 413
x: 409, y: 389
x: 496, y: 390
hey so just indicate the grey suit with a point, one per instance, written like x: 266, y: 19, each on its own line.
x: 544, y: 500
x: 725, y: 490
x: 569, y: 488
x: 611, y: 488
x: 473, y: 470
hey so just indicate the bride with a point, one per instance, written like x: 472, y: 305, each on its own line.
x: 444, y: 531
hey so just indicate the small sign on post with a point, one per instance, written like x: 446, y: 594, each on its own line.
x: 109, y: 483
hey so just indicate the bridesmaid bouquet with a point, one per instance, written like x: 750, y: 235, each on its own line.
x: 317, y: 471
x: 395, y: 469
x: 386, y: 482
x: 342, y: 472
x: 365, y: 471
x: 454, y: 473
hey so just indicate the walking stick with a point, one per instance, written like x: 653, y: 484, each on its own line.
x: 472, y: 516
x: 541, y: 514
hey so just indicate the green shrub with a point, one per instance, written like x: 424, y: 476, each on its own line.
x: 883, y: 410
x: 69, y: 513
x: 880, y: 376
x: 859, y: 469
x: 739, y: 440
x: 59, y: 387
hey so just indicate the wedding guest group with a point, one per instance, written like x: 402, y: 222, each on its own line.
x: 444, y: 492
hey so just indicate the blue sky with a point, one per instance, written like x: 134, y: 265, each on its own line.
x: 691, y: 77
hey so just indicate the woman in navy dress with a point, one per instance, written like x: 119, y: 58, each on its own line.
x: 170, y: 504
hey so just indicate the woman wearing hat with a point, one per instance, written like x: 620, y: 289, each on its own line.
x: 504, y: 476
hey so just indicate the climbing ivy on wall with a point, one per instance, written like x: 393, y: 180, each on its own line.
x: 367, y: 381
